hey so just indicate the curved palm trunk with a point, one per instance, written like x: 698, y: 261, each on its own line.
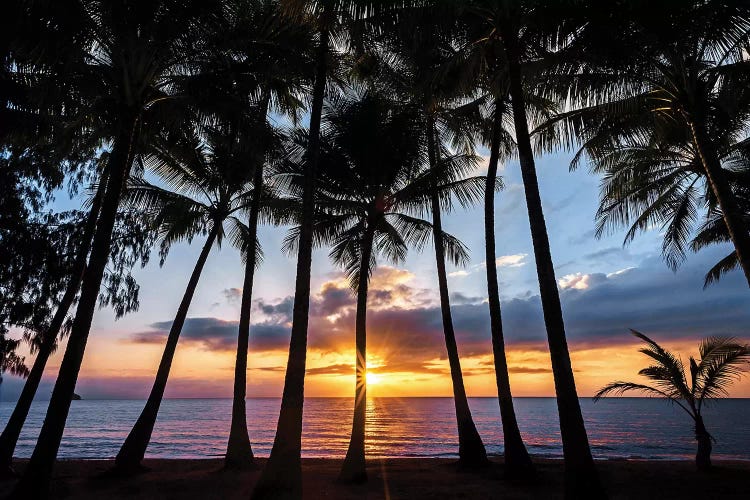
x: 129, y: 458
x: 581, y: 477
x: 9, y: 437
x: 282, y: 476
x: 471, y: 450
x: 36, y: 478
x: 239, y: 452
x: 517, y: 460
x: 703, y: 456
x: 353, y: 469
x: 731, y: 212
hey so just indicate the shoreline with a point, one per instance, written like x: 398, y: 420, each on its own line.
x: 395, y: 478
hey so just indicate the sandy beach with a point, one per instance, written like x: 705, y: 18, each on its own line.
x: 396, y: 479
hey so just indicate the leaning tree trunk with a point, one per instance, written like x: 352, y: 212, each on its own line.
x: 129, y: 458
x: 581, y: 477
x: 239, y: 452
x: 471, y: 450
x: 353, y: 469
x: 36, y: 478
x: 730, y: 209
x: 703, y: 456
x: 282, y: 476
x: 9, y: 437
x: 517, y: 460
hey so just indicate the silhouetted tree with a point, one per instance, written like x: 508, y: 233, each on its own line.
x: 210, y: 172
x: 722, y: 361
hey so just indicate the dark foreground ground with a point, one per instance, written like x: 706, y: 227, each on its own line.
x: 396, y: 479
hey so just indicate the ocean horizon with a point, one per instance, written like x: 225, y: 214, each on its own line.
x: 618, y: 428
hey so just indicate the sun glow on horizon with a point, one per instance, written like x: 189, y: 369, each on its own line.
x: 373, y: 378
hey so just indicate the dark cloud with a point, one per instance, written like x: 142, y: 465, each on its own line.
x: 564, y: 203
x: 584, y: 237
x: 212, y: 334
x: 338, y: 369
x: 281, y: 311
x: 606, y: 254
x: 232, y: 295
x: 332, y: 299
x: 459, y: 298
x: 380, y: 296
x: 599, y: 309
x: 529, y: 370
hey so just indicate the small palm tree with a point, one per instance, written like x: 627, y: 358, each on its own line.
x: 722, y: 361
x: 210, y: 171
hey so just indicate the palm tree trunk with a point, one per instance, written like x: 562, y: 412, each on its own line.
x: 581, y: 477
x: 36, y: 478
x: 353, y: 469
x: 703, y: 456
x: 471, y: 450
x: 733, y: 217
x: 282, y: 476
x: 129, y: 458
x: 239, y: 452
x: 517, y: 460
x: 9, y: 437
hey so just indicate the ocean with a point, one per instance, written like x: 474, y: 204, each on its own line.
x: 397, y: 427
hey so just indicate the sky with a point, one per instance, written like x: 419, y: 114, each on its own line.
x: 606, y: 289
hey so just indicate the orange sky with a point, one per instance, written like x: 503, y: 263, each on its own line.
x: 124, y: 367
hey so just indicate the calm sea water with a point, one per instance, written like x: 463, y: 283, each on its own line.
x: 397, y: 427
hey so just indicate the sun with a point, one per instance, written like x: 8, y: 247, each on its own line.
x: 373, y: 378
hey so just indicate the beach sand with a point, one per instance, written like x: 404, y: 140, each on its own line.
x: 396, y: 479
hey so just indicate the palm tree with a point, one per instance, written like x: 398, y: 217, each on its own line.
x: 329, y: 20
x: 484, y: 59
x: 417, y: 63
x: 239, y: 453
x: 124, y: 61
x: 210, y: 173
x: 282, y: 475
x: 522, y: 26
x: 471, y: 449
x: 264, y: 54
x: 714, y: 231
x: 681, y: 83
x: 722, y: 361
x: 257, y: 62
x: 372, y: 187
x: 657, y: 179
x: 517, y: 459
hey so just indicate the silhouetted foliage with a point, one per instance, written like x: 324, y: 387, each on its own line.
x: 722, y: 361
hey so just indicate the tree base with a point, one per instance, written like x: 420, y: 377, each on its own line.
x: 352, y: 476
x: 519, y: 472
x: 8, y: 472
x: 233, y: 464
x: 472, y: 464
x: 584, y: 483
